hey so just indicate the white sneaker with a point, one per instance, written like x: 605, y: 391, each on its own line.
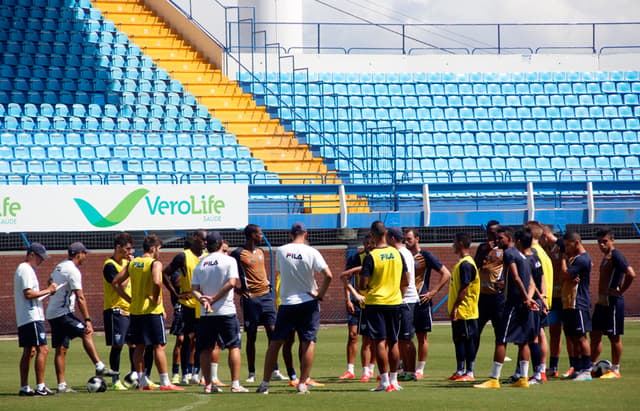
x: 251, y: 377
x: 277, y: 376
x: 239, y: 388
x: 302, y: 389
x: 186, y: 379
x: 195, y: 379
x: 583, y: 376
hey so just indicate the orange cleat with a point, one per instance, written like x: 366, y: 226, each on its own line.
x: 171, y: 387
x: 313, y: 383
x: 348, y: 375
x: 294, y: 383
x: 465, y: 378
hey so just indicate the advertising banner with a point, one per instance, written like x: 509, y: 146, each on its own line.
x: 127, y: 207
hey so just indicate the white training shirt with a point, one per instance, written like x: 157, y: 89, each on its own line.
x: 211, y: 274
x: 411, y: 295
x: 27, y: 310
x: 68, y: 278
x: 297, y: 263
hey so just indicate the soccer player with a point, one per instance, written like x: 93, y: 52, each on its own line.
x: 147, y: 311
x: 409, y: 301
x: 214, y: 280
x: 616, y: 276
x: 488, y: 259
x: 258, y: 307
x: 519, y: 306
x: 32, y: 336
x: 554, y: 248
x: 60, y: 313
x: 355, y: 321
x: 185, y: 262
x: 116, y: 308
x: 385, y: 278
x: 576, y: 303
x: 299, y: 311
x: 425, y: 262
x: 464, y: 292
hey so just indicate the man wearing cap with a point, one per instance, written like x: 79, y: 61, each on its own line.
x: 212, y: 284
x: 32, y: 336
x: 299, y: 308
x: 60, y: 313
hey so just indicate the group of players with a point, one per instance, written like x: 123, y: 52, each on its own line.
x: 521, y: 281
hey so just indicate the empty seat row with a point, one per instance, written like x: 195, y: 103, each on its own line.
x: 100, y: 98
x: 109, y: 139
x: 110, y: 110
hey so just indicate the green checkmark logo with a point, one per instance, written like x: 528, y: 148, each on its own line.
x: 117, y: 215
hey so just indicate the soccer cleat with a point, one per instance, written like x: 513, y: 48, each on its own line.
x: 347, y: 376
x: 302, y: 389
x: 583, y: 376
x: 511, y: 380
x: 551, y: 373
x: 365, y: 378
x: 521, y: 383
x: 263, y: 388
x: 219, y: 383
x: 147, y: 388
x: 543, y: 377
x: 419, y: 375
x: 313, y: 383
x: 43, y: 392
x: 186, y: 379
x: 455, y: 376
x: 391, y: 388
x: 294, y: 383
x: 490, y: 383
x: 277, y: 376
x: 106, y: 372
x: 27, y: 393
x: 382, y: 387
x: 251, y: 377
x: 571, y: 371
x: 171, y: 387
x: 534, y: 381
x: 152, y: 384
x: 175, y: 379
x: 208, y: 389
x: 118, y: 386
x: 66, y: 390
x: 465, y: 378
x: 611, y: 375
x: 396, y: 386
x: 195, y: 379
x: 407, y: 376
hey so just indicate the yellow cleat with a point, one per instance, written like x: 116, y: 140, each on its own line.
x: 610, y: 375
x: 521, y: 383
x: 119, y: 386
x: 490, y: 383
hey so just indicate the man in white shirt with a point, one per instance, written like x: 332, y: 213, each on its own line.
x: 212, y: 284
x: 299, y: 308
x: 60, y: 313
x: 32, y: 336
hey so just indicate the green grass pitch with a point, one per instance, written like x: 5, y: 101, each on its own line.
x: 433, y: 392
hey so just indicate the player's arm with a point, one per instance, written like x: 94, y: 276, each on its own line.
x: 324, y: 286
x: 156, y: 277
x: 629, y: 276
x: 365, y: 273
x: 84, y: 310
x: 110, y: 273
x: 527, y: 293
x: 445, y: 276
x: 30, y: 293
x: 119, y: 282
x: 175, y: 265
x: 404, y: 281
x: 481, y: 253
x: 349, y: 289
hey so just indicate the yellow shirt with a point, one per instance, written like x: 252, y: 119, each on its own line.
x: 111, y: 298
x: 142, y: 287
x: 385, y: 268
x: 547, y: 270
x: 190, y: 263
x: 468, y: 308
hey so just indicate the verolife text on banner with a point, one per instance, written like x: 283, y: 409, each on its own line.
x: 128, y: 207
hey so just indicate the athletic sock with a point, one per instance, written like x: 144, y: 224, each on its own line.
x: 114, y: 361
x: 553, y: 363
x: 616, y: 368
x: 148, y: 359
x: 291, y: 372
x: 573, y: 362
x: 586, y: 363
x: 420, y: 367
x: 351, y: 368
x: 384, y: 378
x: 164, y: 379
x: 536, y: 354
x: 524, y: 369
x: 39, y: 386
x: 393, y: 378
x: 496, y: 370
x: 214, y: 371
x: 175, y: 368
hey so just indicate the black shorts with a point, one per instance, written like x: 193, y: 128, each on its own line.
x: 363, y: 330
x: 491, y: 308
x: 520, y: 324
x: 422, y: 318
x: 555, y: 314
x: 189, y: 320
x: 407, y: 331
x: 64, y: 329
x: 177, y: 325
x: 116, y: 327
x: 383, y: 322
x: 258, y: 311
x: 609, y: 319
x: 303, y: 318
x: 221, y: 329
x: 148, y: 329
x: 464, y: 330
x: 32, y: 334
x: 576, y: 322
x: 354, y: 319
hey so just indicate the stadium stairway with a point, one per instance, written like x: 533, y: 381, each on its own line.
x: 253, y: 126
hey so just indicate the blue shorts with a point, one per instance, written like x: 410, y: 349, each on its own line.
x: 258, y: 311
x: 406, y: 321
x: 610, y: 318
x: 354, y: 319
x: 221, y: 329
x: 189, y: 320
x: 64, y: 329
x: 383, y: 322
x: 116, y: 327
x: 148, y: 329
x: 520, y: 325
x: 32, y: 334
x: 422, y: 318
x: 491, y: 307
x: 177, y: 325
x: 464, y: 330
x: 363, y: 330
x: 303, y: 318
x: 540, y: 318
x: 576, y: 322
x: 555, y: 314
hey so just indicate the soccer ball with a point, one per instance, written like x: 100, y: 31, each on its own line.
x: 96, y: 384
x: 601, y: 367
x: 131, y: 380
